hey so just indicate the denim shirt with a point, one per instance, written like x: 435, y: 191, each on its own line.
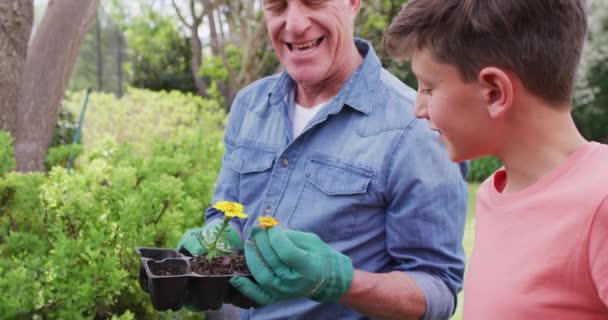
x: 365, y: 175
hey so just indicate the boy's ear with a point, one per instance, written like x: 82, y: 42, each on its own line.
x: 497, y: 89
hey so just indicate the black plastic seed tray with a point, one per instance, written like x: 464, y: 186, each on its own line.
x: 165, y: 274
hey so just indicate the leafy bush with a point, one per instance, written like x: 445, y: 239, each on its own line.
x: 482, y: 168
x: 591, y: 96
x: 65, y: 128
x: 60, y: 155
x: 66, y: 240
x: 7, y: 153
x: 159, y: 54
x: 142, y: 115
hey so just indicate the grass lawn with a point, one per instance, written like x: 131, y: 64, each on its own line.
x: 467, y: 242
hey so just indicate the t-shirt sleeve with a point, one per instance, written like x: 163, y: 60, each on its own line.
x: 598, y: 251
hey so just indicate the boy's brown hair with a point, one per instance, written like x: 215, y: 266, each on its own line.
x: 539, y: 40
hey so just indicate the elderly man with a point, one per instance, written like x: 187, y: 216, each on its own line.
x: 372, y: 210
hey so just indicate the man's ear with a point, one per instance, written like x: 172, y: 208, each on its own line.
x: 355, y: 5
x: 497, y: 90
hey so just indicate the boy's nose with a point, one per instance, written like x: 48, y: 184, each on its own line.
x: 420, y: 109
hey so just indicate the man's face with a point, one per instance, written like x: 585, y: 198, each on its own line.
x: 310, y: 36
x: 454, y: 108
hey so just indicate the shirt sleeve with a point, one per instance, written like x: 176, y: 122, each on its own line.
x: 427, y: 201
x: 227, y: 184
x: 598, y: 251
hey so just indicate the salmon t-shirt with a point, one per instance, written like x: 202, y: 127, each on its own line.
x: 542, y: 253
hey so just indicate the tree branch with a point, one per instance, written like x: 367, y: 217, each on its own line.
x: 179, y: 14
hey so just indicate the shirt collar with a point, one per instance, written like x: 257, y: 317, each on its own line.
x: 357, y: 92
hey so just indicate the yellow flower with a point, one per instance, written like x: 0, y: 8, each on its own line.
x: 268, y: 222
x: 225, y: 206
x: 232, y: 214
x: 231, y: 209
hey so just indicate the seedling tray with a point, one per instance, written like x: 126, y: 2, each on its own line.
x: 166, y: 275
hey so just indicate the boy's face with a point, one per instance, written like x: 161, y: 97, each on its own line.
x: 310, y: 36
x: 454, y: 108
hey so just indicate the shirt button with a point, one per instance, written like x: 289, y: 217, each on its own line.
x: 285, y: 162
x: 267, y: 210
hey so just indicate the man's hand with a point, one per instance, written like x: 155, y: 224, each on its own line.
x: 190, y: 242
x: 291, y: 264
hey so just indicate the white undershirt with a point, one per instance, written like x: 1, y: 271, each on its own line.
x: 302, y: 116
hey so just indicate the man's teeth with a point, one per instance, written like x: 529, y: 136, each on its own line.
x: 306, y: 46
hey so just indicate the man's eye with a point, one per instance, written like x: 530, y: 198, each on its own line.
x: 275, y: 7
x: 316, y: 3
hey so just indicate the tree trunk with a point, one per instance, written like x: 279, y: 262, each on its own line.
x: 119, y: 61
x: 213, y: 36
x: 51, y: 57
x: 195, y: 43
x: 16, y: 18
x: 99, y: 52
x: 195, y: 63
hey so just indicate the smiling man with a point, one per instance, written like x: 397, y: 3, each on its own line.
x: 372, y: 210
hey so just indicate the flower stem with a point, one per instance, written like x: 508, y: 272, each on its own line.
x: 212, y: 250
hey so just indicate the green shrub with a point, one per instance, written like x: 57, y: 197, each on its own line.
x: 67, y: 240
x: 60, y: 155
x: 592, y: 121
x: 141, y: 116
x: 7, y: 153
x: 482, y: 168
x: 65, y: 129
x: 145, y: 173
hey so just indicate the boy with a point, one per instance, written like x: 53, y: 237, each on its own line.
x: 496, y: 78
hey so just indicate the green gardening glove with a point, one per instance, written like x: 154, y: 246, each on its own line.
x: 292, y: 264
x: 190, y: 243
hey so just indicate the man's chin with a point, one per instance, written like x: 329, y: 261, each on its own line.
x: 305, y: 76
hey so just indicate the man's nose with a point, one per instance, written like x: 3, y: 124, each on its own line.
x: 296, y: 19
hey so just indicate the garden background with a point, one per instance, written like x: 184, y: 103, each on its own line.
x: 162, y: 74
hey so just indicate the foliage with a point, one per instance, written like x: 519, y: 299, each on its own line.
x: 591, y: 99
x: 372, y: 22
x: 159, y: 53
x: 592, y: 122
x: 142, y: 115
x: 66, y: 240
x: 482, y: 168
x: 65, y: 129
x: 100, y: 63
x: 7, y: 153
x: 215, y: 241
x: 238, y: 27
x: 60, y: 155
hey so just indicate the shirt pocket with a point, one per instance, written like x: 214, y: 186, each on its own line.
x: 253, y: 166
x: 331, y: 198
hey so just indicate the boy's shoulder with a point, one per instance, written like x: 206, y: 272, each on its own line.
x: 595, y: 163
x: 587, y: 169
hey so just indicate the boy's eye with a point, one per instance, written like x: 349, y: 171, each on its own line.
x: 426, y: 92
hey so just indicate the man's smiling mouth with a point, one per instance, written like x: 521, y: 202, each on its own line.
x: 305, y: 47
